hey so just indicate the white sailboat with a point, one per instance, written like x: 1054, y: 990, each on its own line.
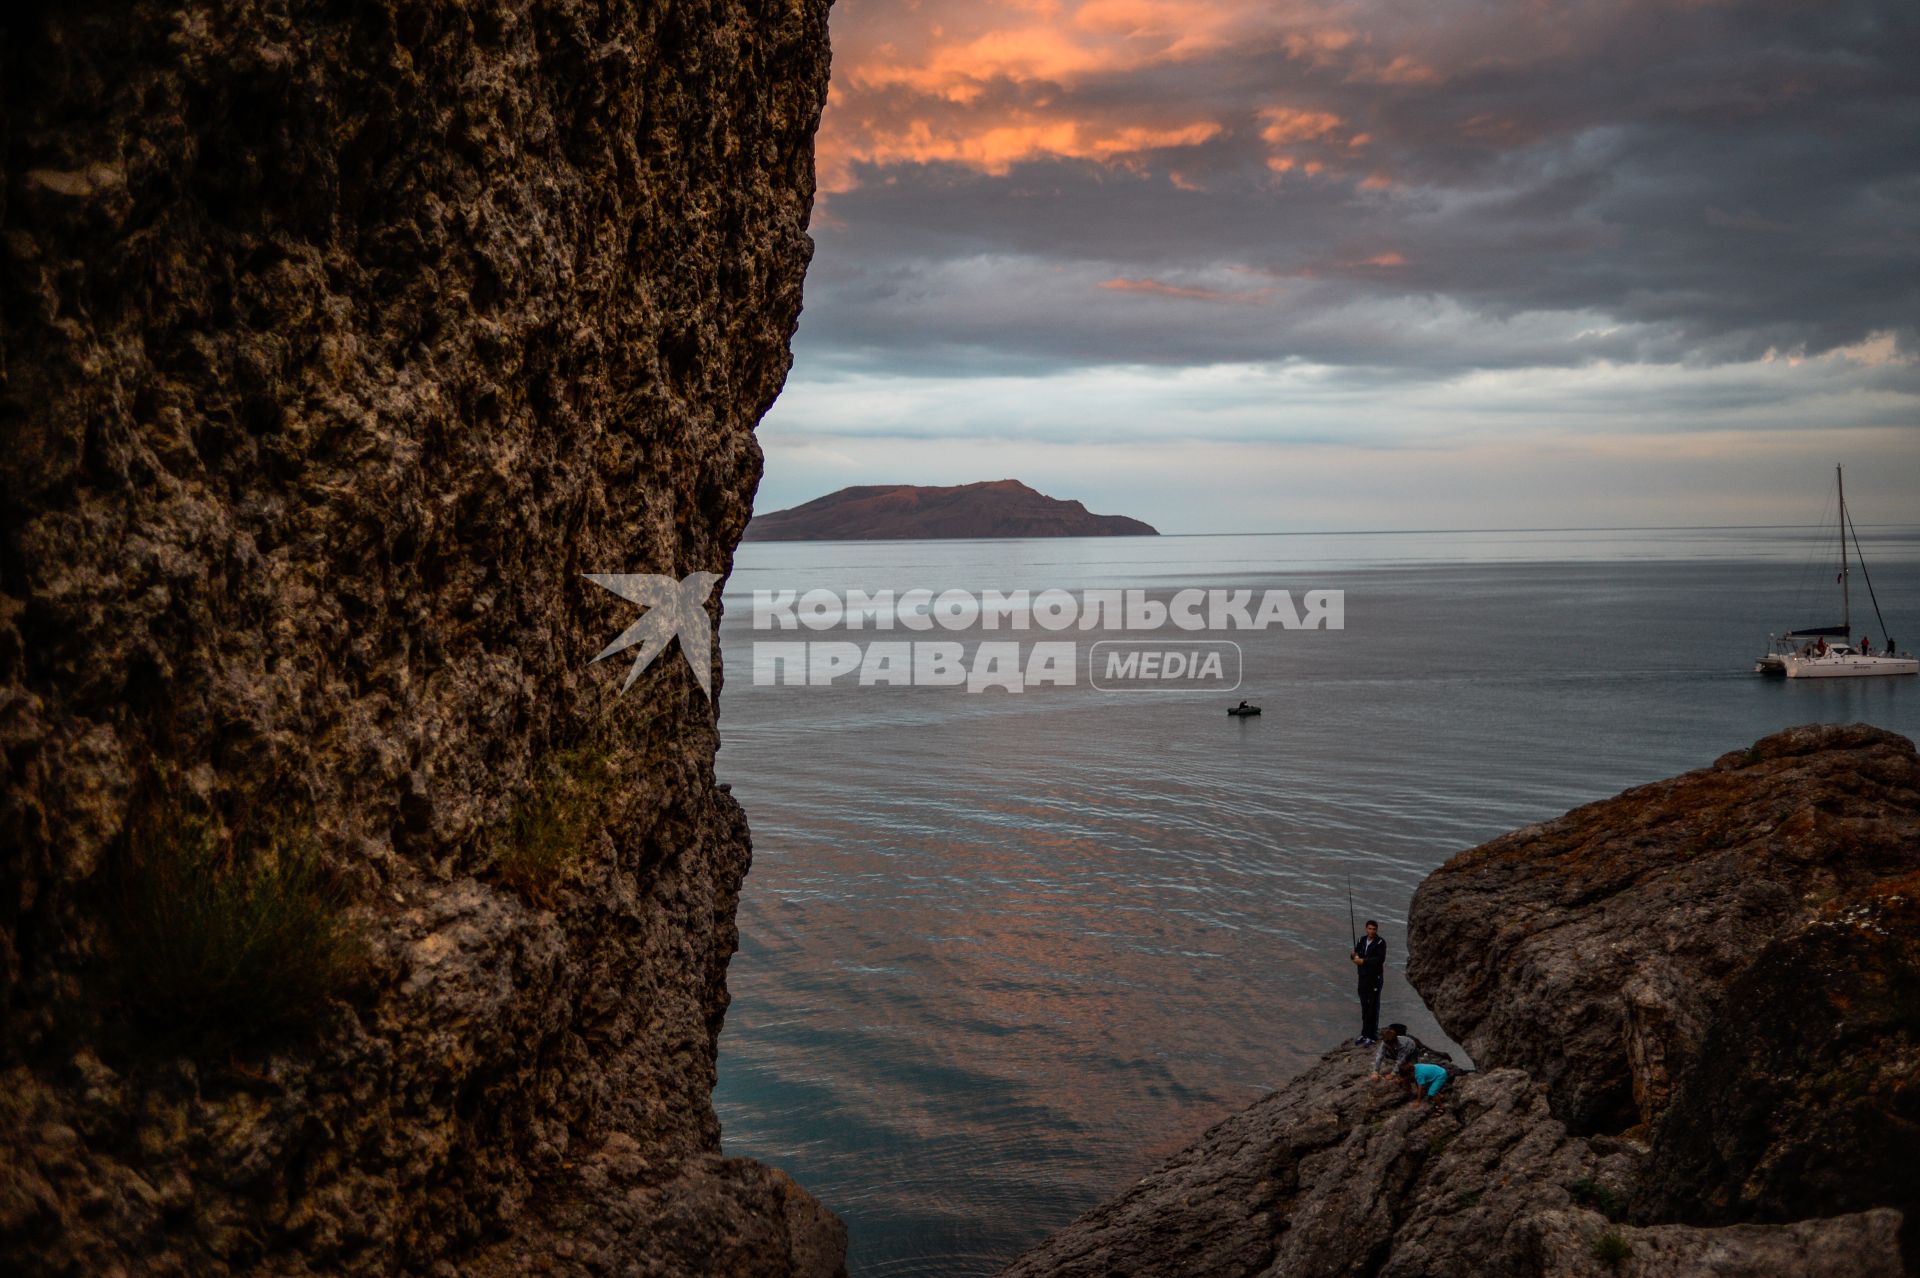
x: 1829, y: 652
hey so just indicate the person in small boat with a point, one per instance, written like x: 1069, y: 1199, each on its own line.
x: 1242, y: 706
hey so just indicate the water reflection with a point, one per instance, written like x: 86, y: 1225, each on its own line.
x: 999, y: 954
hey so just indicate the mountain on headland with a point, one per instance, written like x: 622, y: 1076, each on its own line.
x: 909, y: 512
x: 1693, y: 1008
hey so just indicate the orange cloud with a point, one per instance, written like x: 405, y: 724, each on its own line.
x: 957, y: 72
x: 1401, y: 70
x: 1133, y: 140
x: 1286, y: 124
x: 988, y: 84
x: 1158, y: 288
x: 1036, y: 42
x: 1876, y: 350
x: 1317, y: 48
x: 1172, y: 29
x: 996, y: 148
x: 1295, y: 126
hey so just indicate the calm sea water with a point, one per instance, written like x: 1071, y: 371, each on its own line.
x: 1000, y: 954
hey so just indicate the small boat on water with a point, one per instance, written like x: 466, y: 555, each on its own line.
x: 1243, y: 710
x: 1829, y: 652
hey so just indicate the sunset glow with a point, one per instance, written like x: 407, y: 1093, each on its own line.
x: 1420, y: 205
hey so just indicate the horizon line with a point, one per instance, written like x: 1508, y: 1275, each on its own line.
x: 1385, y: 532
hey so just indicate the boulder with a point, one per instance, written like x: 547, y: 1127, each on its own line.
x: 1594, y: 950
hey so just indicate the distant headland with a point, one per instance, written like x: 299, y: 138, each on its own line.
x: 903, y: 512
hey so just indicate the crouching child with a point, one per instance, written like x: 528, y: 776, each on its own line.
x: 1423, y: 1083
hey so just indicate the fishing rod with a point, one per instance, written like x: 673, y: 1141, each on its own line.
x: 1351, y: 930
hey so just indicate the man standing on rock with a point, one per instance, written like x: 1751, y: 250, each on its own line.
x: 1370, y: 956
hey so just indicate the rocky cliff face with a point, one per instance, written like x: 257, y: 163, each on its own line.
x: 337, y: 343
x: 1622, y: 924
x: 1336, y: 1176
x: 1694, y: 1009
x: 1727, y: 964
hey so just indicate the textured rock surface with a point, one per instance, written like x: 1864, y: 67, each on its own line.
x: 1588, y: 962
x: 1594, y: 950
x: 1807, y: 1085
x: 337, y: 342
x: 1561, y: 1245
x: 1336, y: 1176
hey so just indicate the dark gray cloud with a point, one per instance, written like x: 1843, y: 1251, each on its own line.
x: 1498, y: 187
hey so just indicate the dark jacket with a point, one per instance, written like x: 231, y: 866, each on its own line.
x: 1373, y: 969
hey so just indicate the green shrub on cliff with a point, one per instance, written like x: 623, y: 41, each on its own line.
x: 1589, y: 1192
x: 215, y: 944
x: 1611, y: 1248
x: 546, y: 838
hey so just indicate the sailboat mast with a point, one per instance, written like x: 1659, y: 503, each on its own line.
x: 1846, y: 603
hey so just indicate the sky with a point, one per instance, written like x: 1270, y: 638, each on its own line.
x: 1271, y: 265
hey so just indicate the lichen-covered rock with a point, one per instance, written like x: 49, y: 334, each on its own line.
x: 336, y: 343
x: 1806, y: 1090
x: 1594, y: 950
x: 1336, y: 1176
x: 1509, y: 1160
x: 1222, y: 1205
x: 610, y: 1213
x: 1575, y: 1245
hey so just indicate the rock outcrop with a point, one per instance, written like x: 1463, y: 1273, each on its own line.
x: 1593, y: 950
x: 1727, y: 962
x: 1806, y: 1086
x: 1336, y: 1176
x: 892, y: 512
x: 336, y: 343
x: 1695, y: 1009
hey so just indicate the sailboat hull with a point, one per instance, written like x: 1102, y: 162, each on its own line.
x: 1847, y: 666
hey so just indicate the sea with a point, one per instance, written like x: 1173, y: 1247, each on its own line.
x: 1001, y: 953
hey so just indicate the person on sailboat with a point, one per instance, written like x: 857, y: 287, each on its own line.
x: 1866, y: 645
